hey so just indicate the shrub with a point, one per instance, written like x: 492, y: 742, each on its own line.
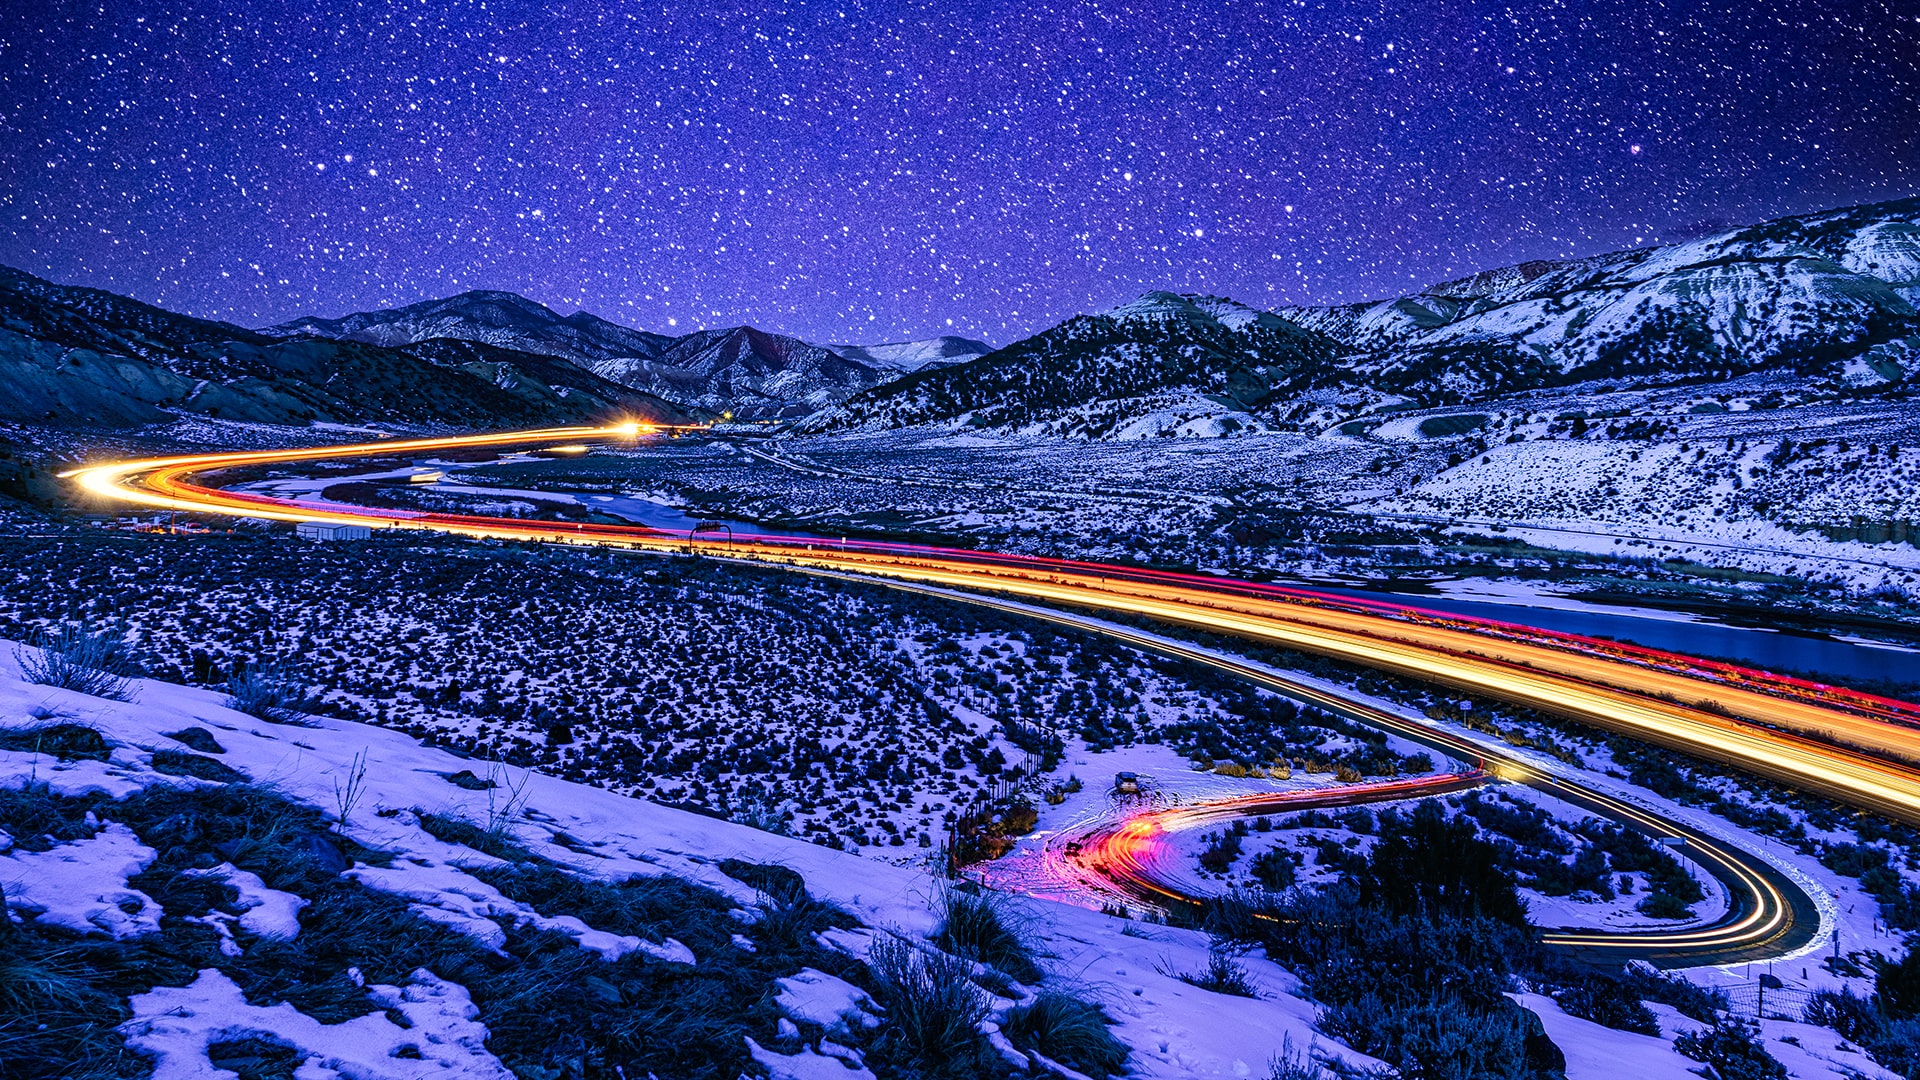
x: 1067, y: 1030
x: 91, y: 662
x: 1221, y: 852
x: 68, y: 742
x: 975, y: 926
x: 771, y: 879
x: 1853, y: 1017
x: 1733, y: 1051
x: 197, y: 738
x: 1608, y: 1001
x: 933, y: 1008
x: 1897, y: 1046
x: 1897, y: 983
x: 180, y: 763
x: 271, y: 693
x: 1439, y: 1039
x: 1274, y: 869
x: 1426, y: 861
x: 1223, y: 975
x: 1663, y: 905
x: 1293, y: 1064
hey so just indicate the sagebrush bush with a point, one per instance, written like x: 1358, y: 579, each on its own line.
x: 1608, y: 1001
x: 1734, y: 1052
x: 1067, y: 1030
x: 1223, y: 975
x: 271, y: 692
x: 934, y: 1010
x: 974, y: 924
x: 68, y: 742
x: 86, y: 661
x: 1437, y: 1039
x: 1855, y: 1018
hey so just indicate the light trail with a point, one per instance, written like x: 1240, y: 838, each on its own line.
x: 1780, y: 729
x: 1772, y: 726
x: 1768, y: 916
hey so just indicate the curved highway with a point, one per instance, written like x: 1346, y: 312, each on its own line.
x: 1850, y: 746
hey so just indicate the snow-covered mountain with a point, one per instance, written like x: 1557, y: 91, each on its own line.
x: 81, y: 357
x: 745, y: 371
x: 736, y: 369
x: 1095, y: 373
x: 1820, y: 296
x: 492, y: 317
x: 1827, y: 300
x: 906, y: 356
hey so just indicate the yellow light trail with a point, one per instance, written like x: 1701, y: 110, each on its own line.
x: 1766, y: 734
x: 1658, y: 706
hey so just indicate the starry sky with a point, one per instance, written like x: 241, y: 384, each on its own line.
x: 853, y: 172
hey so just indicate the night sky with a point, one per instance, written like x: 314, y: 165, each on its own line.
x: 850, y: 172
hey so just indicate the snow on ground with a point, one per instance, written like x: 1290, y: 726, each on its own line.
x: 176, y: 1025
x: 1595, y: 1052
x: 1176, y: 1030
x: 815, y: 997
x: 82, y: 886
x: 267, y: 912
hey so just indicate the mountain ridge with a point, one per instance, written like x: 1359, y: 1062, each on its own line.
x: 80, y: 357
x: 1828, y: 298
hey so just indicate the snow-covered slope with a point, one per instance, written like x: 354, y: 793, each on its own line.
x: 744, y: 371
x: 1801, y: 295
x: 1826, y: 299
x: 378, y: 787
x: 905, y: 356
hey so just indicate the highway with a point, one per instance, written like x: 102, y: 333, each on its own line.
x: 1852, y: 747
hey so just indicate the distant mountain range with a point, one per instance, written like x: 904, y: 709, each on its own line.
x: 79, y: 357
x: 1827, y: 299
x: 504, y: 319
x: 742, y: 371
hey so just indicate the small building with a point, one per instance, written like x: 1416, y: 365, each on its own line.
x: 331, y: 530
x: 428, y: 476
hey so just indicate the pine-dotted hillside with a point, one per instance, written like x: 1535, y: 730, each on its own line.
x: 1162, y: 342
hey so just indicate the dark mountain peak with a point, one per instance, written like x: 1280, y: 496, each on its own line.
x: 492, y: 316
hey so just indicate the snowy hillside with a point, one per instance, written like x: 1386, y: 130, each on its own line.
x: 906, y: 356
x: 542, y: 895
x: 744, y: 371
x: 1827, y: 300
x: 1799, y: 295
x: 491, y: 317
